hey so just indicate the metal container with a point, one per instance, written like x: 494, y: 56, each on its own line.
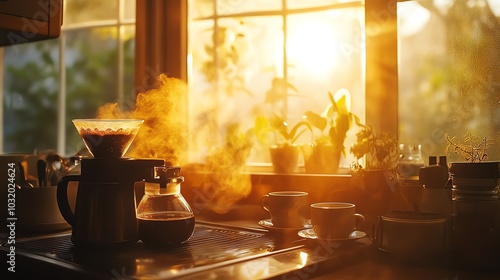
x: 413, y: 235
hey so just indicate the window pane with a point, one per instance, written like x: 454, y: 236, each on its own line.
x: 128, y: 79
x: 201, y: 8
x: 229, y: 83
x: 238, y: 65
x: 91, y: 78
x: 79, y: 11
x: 448, y: 73
x: 128, y: 9
x: 31, y: 87
x: 324, y: 60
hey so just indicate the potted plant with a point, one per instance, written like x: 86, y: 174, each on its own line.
x: 285, y: 153
x: 381, y: 148
x: 476, y: 208
x: 474, y: 170
x: 323, y: 156
x: 376, y: 183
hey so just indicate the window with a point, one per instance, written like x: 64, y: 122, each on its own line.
x: 444, y: 79
x: 435, y: 73
x: 48, y: 83
x: 266, y: 58
x: 448, y: 72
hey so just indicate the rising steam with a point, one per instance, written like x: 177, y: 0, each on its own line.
x: 164, y: 135
x: 164, y: 111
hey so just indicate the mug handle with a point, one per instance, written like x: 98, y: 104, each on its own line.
x: 62, y: 198
x: 360, y: 221
x: 264, y: 202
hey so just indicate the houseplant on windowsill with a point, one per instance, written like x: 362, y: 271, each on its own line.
x: 323, y: 156
x: 380, y: 146
x: 376, y: 184
x: 285, y: 153
x: 474, y: 170
x: 476, y: 208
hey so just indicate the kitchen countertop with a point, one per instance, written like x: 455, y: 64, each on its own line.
x: 374, y: 268
x: 311, y: 259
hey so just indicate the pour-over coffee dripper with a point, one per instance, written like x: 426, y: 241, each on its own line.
x: 105, y: 209
x: 107, y: 138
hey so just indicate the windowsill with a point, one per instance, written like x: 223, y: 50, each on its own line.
x: 267, y: 170
x: 201, y: 189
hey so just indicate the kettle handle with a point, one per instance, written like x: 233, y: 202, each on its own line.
x: 62, y: 198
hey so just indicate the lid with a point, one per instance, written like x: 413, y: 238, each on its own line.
x: 163, y: 175
x: 413, y: 217
x: 117, y: 169
x: 173, y: 187
x: 484, y: 169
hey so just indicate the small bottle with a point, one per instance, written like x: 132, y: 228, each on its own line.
x: 432, y: 160
x: 164, y: 216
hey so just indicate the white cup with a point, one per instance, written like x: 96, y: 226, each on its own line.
x: 288, y: 209
x: 335, y: 220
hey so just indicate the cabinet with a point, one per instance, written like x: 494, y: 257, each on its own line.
x: 23, y: 21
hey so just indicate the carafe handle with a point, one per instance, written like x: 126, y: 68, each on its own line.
x: 62, y: 198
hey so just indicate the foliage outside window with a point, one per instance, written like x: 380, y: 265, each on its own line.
x: 95, y: 55
x: 448, y: 73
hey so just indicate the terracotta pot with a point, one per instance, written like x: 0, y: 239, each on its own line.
x: 285, y: 158
x: 319, y: 159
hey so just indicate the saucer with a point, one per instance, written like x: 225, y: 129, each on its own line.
x: 310, y: 234
x: 267, y: 224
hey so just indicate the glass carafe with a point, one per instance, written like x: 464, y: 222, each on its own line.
x: 164, y: 216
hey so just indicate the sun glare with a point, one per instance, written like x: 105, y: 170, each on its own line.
x: 311, y: 46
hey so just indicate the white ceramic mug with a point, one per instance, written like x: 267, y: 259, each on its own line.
x: 288, y: 209
x: 335, y: 220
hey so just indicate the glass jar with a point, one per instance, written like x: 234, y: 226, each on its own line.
x: 164, y: 216
x: 410, y: 160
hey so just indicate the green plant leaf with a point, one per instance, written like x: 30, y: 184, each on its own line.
x: 316, y: 120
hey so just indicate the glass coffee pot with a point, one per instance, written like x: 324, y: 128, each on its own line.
x: 164, y: 216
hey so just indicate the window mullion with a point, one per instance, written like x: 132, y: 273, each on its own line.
x: 61, y: 104
x: 120, y: 70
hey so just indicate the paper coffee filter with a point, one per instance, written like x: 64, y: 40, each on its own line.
x: 108, y: 126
